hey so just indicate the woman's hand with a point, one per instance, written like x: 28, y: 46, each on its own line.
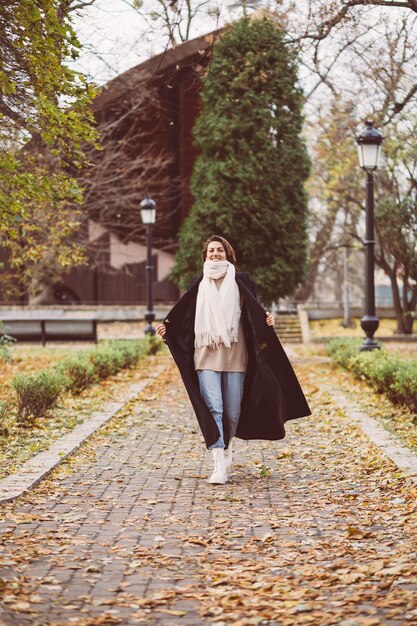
x: 270, y: 319
x: 161, y: 330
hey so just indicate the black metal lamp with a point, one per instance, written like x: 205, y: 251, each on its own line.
x: 369, y: 143
x: 148, y: 215
x: 369, y: 146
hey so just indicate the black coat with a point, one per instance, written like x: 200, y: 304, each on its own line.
x: 272, y: 394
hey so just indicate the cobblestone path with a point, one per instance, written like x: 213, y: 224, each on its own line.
x: 316, y: 529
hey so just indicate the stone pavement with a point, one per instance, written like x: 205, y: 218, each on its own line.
x: 319, y: 528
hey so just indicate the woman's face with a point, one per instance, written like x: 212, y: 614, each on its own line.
x: 215, y: 251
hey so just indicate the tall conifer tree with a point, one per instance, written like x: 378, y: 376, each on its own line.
x: 248, y: 180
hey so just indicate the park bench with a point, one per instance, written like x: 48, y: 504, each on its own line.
x: 44, y: 329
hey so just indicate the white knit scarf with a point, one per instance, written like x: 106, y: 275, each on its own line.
x: 217, y: 313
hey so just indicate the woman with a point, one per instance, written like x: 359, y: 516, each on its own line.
x: 236, y: 373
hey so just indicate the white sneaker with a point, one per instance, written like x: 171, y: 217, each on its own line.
x: 228, y: 455
x: 219, y: 475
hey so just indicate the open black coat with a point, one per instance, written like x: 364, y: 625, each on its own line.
x: 272, y: 394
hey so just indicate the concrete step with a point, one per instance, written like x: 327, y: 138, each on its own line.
x: 288, y: 328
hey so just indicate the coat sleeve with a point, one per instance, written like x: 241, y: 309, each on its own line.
x: 174, y: 320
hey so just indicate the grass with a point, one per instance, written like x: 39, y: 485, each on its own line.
x: 333, y: 328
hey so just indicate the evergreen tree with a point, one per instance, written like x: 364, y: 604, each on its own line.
x: 248, y: 180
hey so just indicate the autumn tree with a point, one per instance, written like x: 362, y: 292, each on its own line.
x: 396, y: 219
x: 248, y: 182
x: 339, y: 42
x: 337, y: 189
x: 44, y: 102
x: 334, y: 188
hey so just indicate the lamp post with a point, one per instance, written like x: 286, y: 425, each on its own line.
x: 148, y: 215
x: 369, y: 149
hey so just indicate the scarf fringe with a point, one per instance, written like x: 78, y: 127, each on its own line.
x: 206, y: 339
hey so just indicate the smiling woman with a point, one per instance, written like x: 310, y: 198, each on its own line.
x: 234, y: 368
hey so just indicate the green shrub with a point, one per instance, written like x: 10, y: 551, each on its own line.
x: 131, y: 353
x: 79, y: 372
x: 6, y: 410
x: 5, y: 342
x: 37, y: 393
x: 341, y: 350
x: 132, y: 350
x: 153, y: 345
x: 381, y: 370
x: 385, y: 372
x: 403, y: 389
x: 106, y: 361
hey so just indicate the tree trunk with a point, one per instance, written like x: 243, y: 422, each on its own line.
x: 304, y: 292
x: 399, y: 313
x: 317, y: 251
x: 409, y: 305
x: 408, y: 323
x: 43, y: 294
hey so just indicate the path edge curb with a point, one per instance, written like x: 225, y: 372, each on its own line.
x: 41, y: 465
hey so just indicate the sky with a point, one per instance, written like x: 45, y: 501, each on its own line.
x: 115, y: 37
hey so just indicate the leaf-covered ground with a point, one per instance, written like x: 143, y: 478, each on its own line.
x: 316, y: 529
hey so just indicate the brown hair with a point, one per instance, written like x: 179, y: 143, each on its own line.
x: 230, y: 253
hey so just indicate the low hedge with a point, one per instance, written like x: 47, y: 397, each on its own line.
x: 385, y: 372
x: 37, y: 393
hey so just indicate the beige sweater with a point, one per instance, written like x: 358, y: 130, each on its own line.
x: 222, y: 359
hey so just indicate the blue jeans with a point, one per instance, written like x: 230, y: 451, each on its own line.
x: 222, y: 392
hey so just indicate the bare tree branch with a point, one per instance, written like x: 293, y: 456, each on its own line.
x: 326, y: 26
x: 130, y: 166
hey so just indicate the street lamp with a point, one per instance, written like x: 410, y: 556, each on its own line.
x: 148, y: 215
x: 369, y: 148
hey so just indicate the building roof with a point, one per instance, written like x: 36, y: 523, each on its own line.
x: 159, y: 66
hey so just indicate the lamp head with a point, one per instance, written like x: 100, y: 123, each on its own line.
x: 369, y: 143
x: 148, y: 211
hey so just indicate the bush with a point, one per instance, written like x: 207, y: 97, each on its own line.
x: 106, y: 361
x: 153, y: 345
x: 404, y: 387
x: 79, y: 373
x: 5, y: 412
x: 386, y: 373
x: 5, y: 342
x: 37, y: 393
x: 341, y: 350
x: 132, y: 352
